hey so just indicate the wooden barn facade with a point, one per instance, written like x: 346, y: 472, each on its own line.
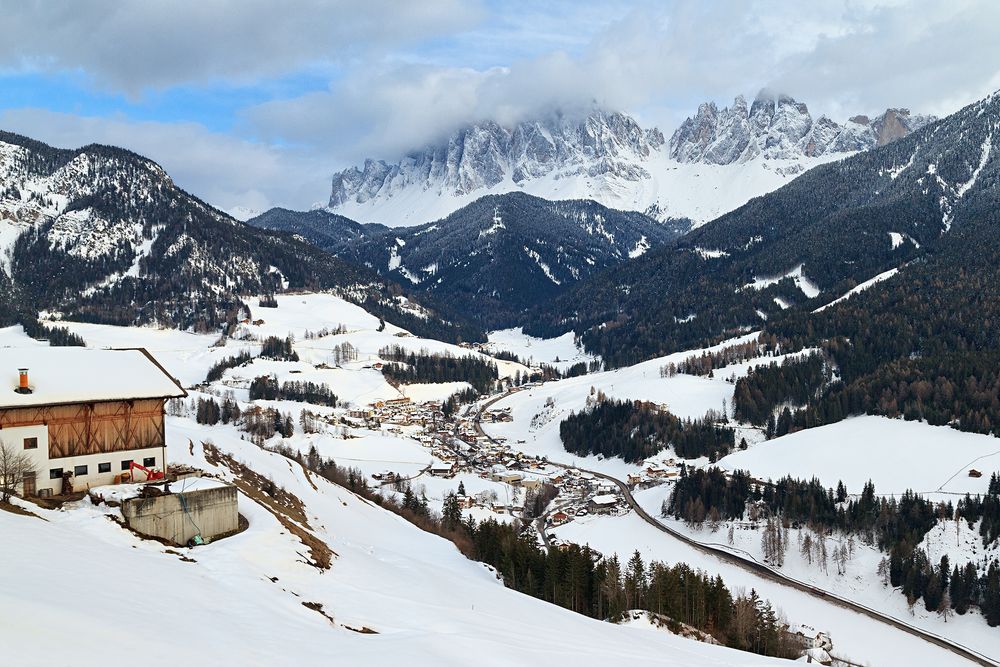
x: 83, y: 416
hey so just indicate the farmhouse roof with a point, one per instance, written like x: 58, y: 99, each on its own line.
x: 60, y: 375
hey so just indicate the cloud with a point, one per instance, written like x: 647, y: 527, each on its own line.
x: 932, y: 56
x: 842, y: 58
x: 223, y: 170
x: 135, y: 45
x: 399, y: 76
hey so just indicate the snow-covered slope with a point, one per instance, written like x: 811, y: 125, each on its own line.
x: 504, y: 254
x: 393, y: 594
x: 81, y: 229
x: 714, y: 163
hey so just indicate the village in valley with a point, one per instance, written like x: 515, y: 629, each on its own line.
x: 307, y: 380
x: 490, y: 333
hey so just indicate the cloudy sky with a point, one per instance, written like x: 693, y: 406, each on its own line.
x: 253, y: 103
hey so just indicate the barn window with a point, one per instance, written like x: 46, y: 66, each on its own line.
x: 127, y: 465
x: 149, y: 462
x: 79, y: 471
x: 55, y: 473
x: 31, y: 443
x: 103, y: 467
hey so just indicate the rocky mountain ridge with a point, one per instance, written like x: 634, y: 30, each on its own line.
x: 715, y: 162
x: 104, y: 235
x: 779, y: 127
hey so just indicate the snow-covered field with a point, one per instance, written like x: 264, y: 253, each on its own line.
x: 895, y: 455
x: 241, y: 600
x: 561, y: 352
x: 187, y: 356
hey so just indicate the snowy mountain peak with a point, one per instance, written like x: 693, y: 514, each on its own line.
x: 481, y: 156
x: 607, y: 156
x: 777, y: 126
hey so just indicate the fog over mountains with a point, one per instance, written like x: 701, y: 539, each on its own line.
x: 608, y: 157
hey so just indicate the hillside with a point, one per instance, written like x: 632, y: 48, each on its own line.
x: 922, y: 205
x: 102, y: 234
x: 319, y: 570
x: 323, y: 229
x: 392, y: 593
x: 495, y: 259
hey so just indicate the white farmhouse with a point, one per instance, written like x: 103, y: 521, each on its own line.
x: 84, y: 417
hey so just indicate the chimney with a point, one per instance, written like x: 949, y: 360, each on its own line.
x: 23, y: 387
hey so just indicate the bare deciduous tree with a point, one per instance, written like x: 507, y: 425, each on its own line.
x: 14, y: 464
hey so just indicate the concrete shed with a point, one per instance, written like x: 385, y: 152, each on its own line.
x: 198, y: 509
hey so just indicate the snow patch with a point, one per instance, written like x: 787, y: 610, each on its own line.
x: 809, y: 288
x: 860, y: 288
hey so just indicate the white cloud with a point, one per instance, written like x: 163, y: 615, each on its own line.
x: 842, y: 58
x: 133, y: 45
x: 406, y: 74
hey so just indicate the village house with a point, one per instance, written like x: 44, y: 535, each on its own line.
x: 603, y: 504
x: 361, y: 413
x: 85, y: 418
x: 507, y: 477
x: 399, y: 402
x: 559, y: 517
x: 443, y: 469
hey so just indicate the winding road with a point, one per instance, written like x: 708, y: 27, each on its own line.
x: 761, y: 569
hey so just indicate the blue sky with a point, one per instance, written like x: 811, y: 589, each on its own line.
x: 255, y: 103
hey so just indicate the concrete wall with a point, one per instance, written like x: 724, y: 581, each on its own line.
x: 43, y: 464
x: 178, y: 517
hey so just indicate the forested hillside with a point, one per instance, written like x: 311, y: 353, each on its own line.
x: 498, y: 257
x: 782, y: 255
x: 101, y: 234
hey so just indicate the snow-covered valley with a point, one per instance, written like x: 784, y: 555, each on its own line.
x: 412, y: 588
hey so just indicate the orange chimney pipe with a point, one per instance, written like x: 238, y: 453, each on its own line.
x: 23, y: 372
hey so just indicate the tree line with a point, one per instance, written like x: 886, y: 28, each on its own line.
x: 407, y: 367
x: 266, y: 387
x: 635, y: 430
x: 896, y: 526
x: 765, y: 388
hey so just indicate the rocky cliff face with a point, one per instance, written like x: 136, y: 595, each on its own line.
x: 609, y: 158
x: 483, y: 155
x: 779, y: 127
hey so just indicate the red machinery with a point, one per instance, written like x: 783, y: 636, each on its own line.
x: 151, y: 475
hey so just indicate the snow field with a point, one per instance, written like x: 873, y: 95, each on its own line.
x: 241, y: 599
x: 895, y: 455
x: 539, y: 350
